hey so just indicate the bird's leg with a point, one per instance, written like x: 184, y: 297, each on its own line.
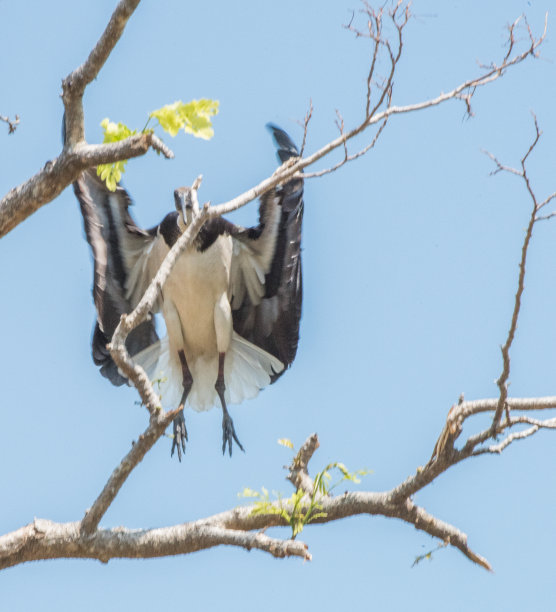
x: 180, y: 431
x: 228, y: 430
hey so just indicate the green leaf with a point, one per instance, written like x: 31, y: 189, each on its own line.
x: 113, y: 132
x: 194, y: 117
x: 169, y: 118
x: 247, y: 492
x: 285, y: 442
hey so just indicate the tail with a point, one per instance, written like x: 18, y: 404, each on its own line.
x: 247, y: 370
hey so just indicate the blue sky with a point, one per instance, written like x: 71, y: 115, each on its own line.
x: 410, y: 266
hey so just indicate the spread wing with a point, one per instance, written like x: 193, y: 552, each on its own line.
x: 123, y: 265
x: 266, y: 289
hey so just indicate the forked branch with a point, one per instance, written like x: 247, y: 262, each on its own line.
x: 25, y: 199
x: 536, y: 206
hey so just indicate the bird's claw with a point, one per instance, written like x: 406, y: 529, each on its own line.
x: 180, y: 435
x: 229, y: 433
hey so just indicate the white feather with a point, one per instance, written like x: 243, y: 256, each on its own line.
x: 247, y: 370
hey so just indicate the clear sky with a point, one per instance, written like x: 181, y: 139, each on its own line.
x: 410, y: 265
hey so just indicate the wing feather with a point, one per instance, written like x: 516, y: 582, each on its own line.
x: 268, y: 315
x: 119, y: 247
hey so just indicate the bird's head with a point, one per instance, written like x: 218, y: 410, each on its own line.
x: 186, y: 203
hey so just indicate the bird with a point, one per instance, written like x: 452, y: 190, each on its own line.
x: 231, y: 304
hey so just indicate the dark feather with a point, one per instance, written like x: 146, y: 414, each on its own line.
x: 110, y: 229
x: 273, y: 325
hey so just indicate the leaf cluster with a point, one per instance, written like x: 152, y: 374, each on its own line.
x: 301, y: 508
x: 193, y: 117
x: 113, y: 132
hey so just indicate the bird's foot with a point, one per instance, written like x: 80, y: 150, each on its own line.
x: 180, y: 435
x: 229, y: 434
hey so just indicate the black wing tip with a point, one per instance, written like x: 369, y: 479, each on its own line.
x: 286, y: 146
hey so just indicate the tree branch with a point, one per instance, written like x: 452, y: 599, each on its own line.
x: 48, y: 540
x: 298, y: 473
x: 157, y: 426
x: 502, y: 381
x: 22, y: 201
x: 73, y: 86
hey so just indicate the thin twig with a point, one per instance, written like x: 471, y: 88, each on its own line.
x: 502, y: 381
x: 306, y: 120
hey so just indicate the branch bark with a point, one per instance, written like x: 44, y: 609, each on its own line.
x: 22, y: 201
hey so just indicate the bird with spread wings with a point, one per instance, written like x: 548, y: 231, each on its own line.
x: 231, y: 305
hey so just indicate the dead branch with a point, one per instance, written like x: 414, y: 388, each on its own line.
x: 536, y: 206
x: 305, y: 126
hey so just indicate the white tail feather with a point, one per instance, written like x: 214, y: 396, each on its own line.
x: 247, y: 370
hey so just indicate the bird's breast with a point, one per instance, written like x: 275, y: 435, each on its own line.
x: 196, y: 284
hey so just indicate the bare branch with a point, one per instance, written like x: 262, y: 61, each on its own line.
x: 347, y: 158
x: 502, y: 381
x: 74, y: 84
x: 12, y: 125
x: 57, y: 174
x: 22, y: 201
x: 157, y: 426
x: 47, y: 540
x: 445, y: 455
x: 546, y: 217
x: 298, y: 471
x: 305, y: 126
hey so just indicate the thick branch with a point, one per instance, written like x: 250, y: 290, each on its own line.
x: 47, y: 540
x: 57, y: 174
x: 74, y: 84
x: 44, y: 539
x: 22, y: 201
x: 157, y: 426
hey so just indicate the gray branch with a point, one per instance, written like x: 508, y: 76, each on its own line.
x: 22, y: 201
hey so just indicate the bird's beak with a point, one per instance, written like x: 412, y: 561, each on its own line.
x: 184, y: 204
